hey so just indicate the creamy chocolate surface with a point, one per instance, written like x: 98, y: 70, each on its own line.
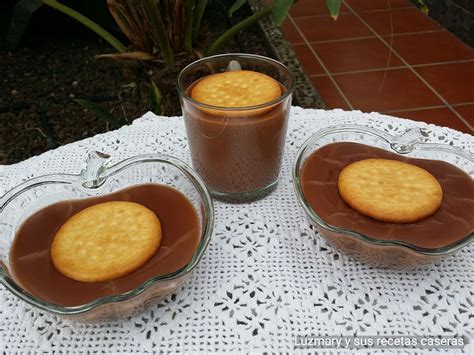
x: 453, y: 221
x: 238, y: 153
x: 31, y: 259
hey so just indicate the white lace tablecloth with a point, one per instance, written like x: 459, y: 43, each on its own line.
x: 265, y: 278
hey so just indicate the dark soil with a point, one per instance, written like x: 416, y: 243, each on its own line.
x: 41, y: 80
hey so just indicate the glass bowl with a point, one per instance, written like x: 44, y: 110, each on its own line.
x: 97, y: 179
x: 394, y: 252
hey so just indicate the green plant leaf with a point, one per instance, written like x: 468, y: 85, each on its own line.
x: 114, y: 42
x: 188, y: 25
x: 237, y: 5
x: 280, y: 10
x: 19, y: 20
x: 100, y: 111
x: 198, y: 14
x: 423, y: 7
x: 135, y: 55
x: 159, y: 30
x: 156, y: 99
x: 238, y: 27
x: 334, y: 6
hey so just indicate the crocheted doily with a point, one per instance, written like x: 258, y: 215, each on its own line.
x: 266, y: 277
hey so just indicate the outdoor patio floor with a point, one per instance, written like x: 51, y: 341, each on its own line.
x: 421, y: 72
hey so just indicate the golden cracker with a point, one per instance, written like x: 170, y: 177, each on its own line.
x: 106, y: 241
x: 236, y: 89
x: 390, y: 190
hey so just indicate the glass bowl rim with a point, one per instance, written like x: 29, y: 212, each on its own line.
x: 390, y: 139
x: 207, y: 228
x: 288, y: 92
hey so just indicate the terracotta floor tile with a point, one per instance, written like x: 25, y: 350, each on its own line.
x: 370, y: 5
x: 431, y: 47
x: 455, y: 82
x: 438, y: 116
x: 313, y: 8
x: 400, y: 90
x: 325, y: 28
x: 467, y: 112
x: 360, y: 54
x: 404, y: 21
x: 331, y: 97
x: 307, y: 59
x: 290, y: 32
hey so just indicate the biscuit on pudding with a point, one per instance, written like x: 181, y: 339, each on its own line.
x: 236, y: 89
x: 106, y: 241
x: 390, y: 190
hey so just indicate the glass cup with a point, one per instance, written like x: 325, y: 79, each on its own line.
x: 238, y: 150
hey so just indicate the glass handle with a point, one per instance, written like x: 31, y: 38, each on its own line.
x: 93, y: 172
x: 405, y: 142
x: 233, y: 66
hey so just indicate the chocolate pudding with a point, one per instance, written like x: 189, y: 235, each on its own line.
x: 238, y: 152
x: 31, y: 259
x: 453, y: 221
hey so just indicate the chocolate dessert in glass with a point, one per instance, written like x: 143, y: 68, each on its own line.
x: 236, y: 109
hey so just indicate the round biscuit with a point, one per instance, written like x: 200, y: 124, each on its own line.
x: 390, y: 190
x: 236, y: 89
x: 106, y: 241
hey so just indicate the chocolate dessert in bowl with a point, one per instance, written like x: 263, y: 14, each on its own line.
x: 236, y: 109
x: 388, y: 200
x: 106, y: 242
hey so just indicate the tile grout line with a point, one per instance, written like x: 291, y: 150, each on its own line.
x: 428, y: 107
x: 359, y: 71
x: 441, y: 63
x: 425, y: 108
x: 328, y: 73
x: 417, y: 109
x: 411, y: 68
x: 393, y: 68
x: 372, y: 37
x: 462, y: 104
x: 369, y: 37
x: 364, y: 11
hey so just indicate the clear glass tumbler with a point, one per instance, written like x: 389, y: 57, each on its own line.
x: 237, y: 150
